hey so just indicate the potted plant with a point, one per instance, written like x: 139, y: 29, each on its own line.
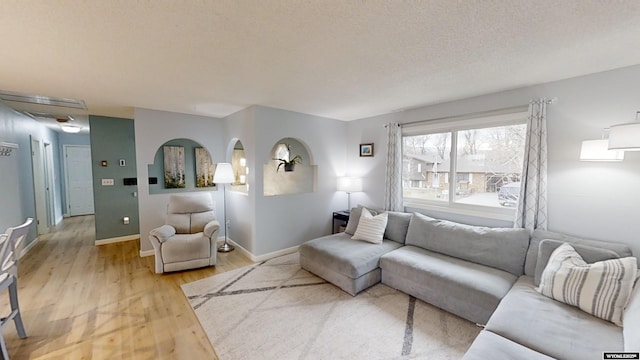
x: 289, y: 165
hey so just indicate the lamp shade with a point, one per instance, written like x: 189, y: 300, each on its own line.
x: 349, y: 184
x: 598, y: 150
x: 223, y: 174
x: 625, y: 137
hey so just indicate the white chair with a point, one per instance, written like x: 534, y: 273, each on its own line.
x: 10, y: 244
x: 188, y: 240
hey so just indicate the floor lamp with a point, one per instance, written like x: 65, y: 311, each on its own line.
x: 349, y: 185
x: 224, y: 176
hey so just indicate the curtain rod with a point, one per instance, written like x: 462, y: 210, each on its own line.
x: 473, y: 114
x: 496, y: 111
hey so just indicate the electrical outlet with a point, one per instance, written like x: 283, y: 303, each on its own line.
x: 107, y: 182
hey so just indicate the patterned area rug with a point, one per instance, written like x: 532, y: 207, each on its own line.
x: 276, y: 310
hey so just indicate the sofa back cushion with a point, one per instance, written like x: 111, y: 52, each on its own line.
x: 501, y: 248
x: 538, y: 235
x: 397, y: 226
x: 590, y: 254
x: 354, y: 218
x: 631, y: 321
x: 601, y: 289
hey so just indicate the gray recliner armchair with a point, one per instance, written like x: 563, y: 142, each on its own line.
x: 188, y: 238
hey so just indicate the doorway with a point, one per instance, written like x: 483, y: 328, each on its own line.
x: 78, y: 179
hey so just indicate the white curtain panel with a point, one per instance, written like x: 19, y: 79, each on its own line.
x: 393, y: 180
x: 532, y: 205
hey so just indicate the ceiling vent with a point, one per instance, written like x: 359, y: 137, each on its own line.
x: 42, y: 115
x: 42, y: 100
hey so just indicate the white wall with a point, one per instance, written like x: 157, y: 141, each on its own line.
x: 259, y: 224
x: 241, y: 210
x: 264, y: 224
x: 288, y: 220
x: 153, y: 128
x: 595, y: 200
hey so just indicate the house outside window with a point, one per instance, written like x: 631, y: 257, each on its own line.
x: 475, y: 158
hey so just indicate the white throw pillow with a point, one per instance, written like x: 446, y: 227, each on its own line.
x: 371, y: 228
x: 601, y: 289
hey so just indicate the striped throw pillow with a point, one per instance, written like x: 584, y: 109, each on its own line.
x: 601, y: 289
x: 371, y: 228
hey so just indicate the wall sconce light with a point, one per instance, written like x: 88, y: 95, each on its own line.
x: 349, y: 185
x: 598, y: 150
x: 625, y: 136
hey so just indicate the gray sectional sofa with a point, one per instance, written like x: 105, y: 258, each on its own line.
x: 485, y: 275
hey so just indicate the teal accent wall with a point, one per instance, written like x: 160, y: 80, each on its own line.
x: 157, y: 168
x: 113, y: 139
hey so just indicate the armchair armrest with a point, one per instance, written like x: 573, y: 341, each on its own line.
x: 211, y: 228
x: 163, y: 233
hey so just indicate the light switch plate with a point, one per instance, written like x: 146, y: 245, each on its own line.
x: 107, y: 182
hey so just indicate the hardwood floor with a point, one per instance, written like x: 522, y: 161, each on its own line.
x: 81, y: 301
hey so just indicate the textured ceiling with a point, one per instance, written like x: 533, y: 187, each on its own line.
x: 343, y: 59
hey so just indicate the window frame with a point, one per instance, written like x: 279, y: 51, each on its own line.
x: 453, y: 126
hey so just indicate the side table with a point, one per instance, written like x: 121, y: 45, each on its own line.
x: 340, y: 220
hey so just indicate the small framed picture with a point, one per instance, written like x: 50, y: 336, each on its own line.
x: 366, y: 149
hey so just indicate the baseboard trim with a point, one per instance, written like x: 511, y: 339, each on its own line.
x: 117, y: 239
x: 246, y: 253
x: 28, y: 248
x: 275, y: 254
x: 145, y: 253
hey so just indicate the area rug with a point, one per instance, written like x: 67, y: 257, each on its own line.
x: 276, y: 310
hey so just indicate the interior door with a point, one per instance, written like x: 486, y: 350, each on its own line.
x: 37, y: 165
x: 49, y: 184
x: 79, y: 180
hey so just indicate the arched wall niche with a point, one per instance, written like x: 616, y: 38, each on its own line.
x: 240, y: 167
x: 181, y: 165
x: 302, y: 179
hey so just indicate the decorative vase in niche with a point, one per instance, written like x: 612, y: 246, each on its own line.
x: 289, y: 167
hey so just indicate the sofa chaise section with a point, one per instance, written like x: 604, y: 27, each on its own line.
x: 351, y: 265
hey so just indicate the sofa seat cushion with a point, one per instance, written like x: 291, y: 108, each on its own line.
x: 495, y: 347
x: 352, y: 258
x: 464, y: 288
x: 551, y: 327
x: 185, y: 247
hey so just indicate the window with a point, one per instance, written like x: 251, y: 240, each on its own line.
x: 465, y: 166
